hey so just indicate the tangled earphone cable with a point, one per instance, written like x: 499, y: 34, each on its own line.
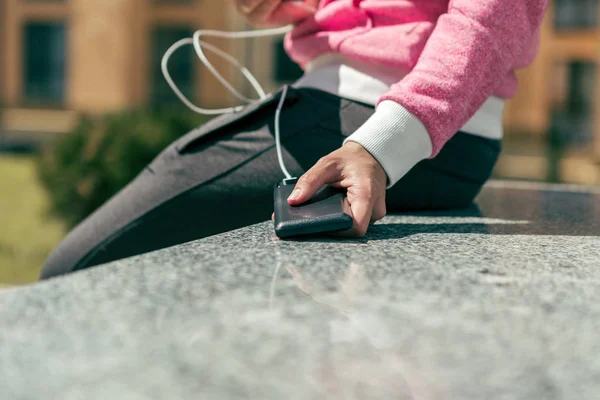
x: 199, y: 47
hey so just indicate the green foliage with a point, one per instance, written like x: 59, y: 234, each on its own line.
x: 84, y: 168
x: 27, y: 235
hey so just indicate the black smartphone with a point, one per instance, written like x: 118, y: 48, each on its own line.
x: 322, y: 214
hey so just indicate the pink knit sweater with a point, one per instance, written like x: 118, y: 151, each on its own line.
x: 458, y: 52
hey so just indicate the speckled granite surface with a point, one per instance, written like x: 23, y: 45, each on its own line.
x: 496, y: 302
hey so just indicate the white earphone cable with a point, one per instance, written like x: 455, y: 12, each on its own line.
x: 199, y: 46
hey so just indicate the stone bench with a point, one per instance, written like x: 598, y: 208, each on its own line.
x: 498, y: 301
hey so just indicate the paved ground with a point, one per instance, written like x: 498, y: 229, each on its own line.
x: 501, y: 301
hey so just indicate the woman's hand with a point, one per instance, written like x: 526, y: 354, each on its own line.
x: 275, y: 12
x: 353, y: 168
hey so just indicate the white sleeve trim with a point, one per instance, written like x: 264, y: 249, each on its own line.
x: 396, y: 138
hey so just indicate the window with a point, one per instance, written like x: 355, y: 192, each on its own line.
x: 581, y: 77
x: 181, y: 65
x: 286, y: 70
x: 572, y: 114
x: 44, y: 53
x: 575, y: 14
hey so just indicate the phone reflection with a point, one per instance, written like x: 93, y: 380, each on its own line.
x: 362, y: 361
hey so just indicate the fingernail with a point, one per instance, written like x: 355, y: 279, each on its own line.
x: 295, y: 194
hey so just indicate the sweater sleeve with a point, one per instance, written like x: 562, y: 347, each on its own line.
x: 395, y: 138
x: 473, y: 48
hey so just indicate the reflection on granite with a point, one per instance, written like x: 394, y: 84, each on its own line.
x: 498, y: 301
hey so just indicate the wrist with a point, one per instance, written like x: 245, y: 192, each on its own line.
x: 395, y: 138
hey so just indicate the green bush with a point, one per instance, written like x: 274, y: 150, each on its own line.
x: 84, y: 168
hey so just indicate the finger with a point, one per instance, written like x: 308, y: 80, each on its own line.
x: 325, y: 171
x: 273, y: 217
x: 290, y: 13
x: 362, y: 197
x: 312, y: 3
x: 359, y: 228
x: 247, y: 6
x: 379, y: 211
x: 304, y: 6
x: 262, y: 11
x: 362, y: 210
x: 347, y: 207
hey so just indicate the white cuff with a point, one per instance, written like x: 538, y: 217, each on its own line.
x: 396, y: 138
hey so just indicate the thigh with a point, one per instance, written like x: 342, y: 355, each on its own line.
x: 449, y: 181
x: 217, y: 178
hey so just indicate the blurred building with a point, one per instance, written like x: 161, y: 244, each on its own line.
x: 61, y: 58
x: 553, y: 124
